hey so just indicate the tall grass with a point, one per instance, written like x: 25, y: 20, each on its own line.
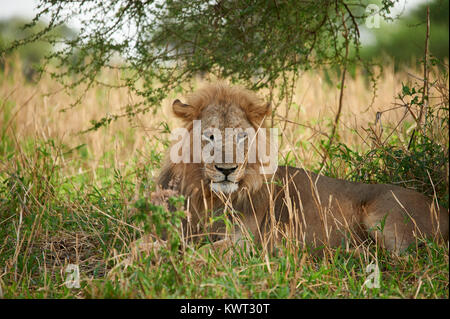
x: 84, y: 199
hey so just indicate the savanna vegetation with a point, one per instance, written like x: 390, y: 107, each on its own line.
x: 81, y: 145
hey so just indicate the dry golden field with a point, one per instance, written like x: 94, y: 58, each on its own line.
x: 36, y: 112
x: 72, y: 197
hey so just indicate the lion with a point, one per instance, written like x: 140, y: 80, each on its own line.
x: 289, y: 202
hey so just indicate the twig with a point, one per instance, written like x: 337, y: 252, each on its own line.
x: 341, y: 93
x: 425, y: 93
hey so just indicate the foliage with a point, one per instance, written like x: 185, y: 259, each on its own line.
x: 402, y: 40
x: 32, y: 54
x: 416, y: 156
x: 160, y: 45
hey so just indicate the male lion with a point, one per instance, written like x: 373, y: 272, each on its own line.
x: 315, y: 209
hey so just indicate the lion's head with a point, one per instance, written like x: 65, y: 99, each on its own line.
x: 223, y: 127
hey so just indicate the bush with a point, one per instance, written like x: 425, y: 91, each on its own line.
x: 413, y: 155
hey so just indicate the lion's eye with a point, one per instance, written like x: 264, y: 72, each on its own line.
x: 208, y: 136
x: 241, y: 136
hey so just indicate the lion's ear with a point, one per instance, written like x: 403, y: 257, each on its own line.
x: 259, y: 112
x: 267, y: 109
x: 183, y: 111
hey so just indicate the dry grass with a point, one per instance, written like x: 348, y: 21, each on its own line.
x: 36, y: 112
x: 80, y: 206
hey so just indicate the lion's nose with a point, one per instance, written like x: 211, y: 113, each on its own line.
x: 226, y: 170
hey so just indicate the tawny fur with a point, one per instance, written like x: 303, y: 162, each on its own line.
x: 315, y: 210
